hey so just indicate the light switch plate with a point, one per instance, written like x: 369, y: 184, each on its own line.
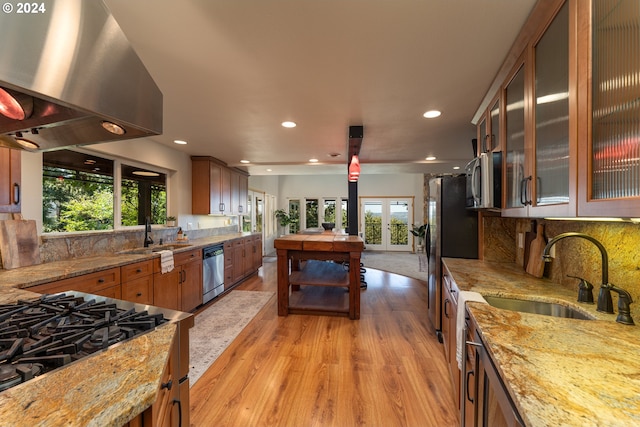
x: 521, y: 240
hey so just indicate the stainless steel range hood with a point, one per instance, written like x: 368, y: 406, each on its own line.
x: 83, y: 78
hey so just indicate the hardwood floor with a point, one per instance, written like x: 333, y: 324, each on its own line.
x: 386, y: 369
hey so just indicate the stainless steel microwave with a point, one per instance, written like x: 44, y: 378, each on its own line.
x: 484, y: 181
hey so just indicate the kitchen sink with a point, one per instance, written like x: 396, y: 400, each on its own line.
x: 155, y: 248
x: 536, y: 307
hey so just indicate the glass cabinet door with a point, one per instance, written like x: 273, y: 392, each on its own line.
x: 615, y: 141
x: 494, y: 119
x: 551, y: 99
x: 515, y: 142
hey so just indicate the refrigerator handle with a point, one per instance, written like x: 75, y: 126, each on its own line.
x: 427, y: 241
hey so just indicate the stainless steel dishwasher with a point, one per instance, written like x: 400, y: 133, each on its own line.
x: 212, y: 272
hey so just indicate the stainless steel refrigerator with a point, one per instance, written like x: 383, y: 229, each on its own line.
x: 452, y: 233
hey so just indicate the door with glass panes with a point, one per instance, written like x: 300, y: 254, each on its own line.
x: 385, y: 223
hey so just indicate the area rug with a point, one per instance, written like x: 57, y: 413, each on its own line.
x: 217, y: 326
x: 403, y: 263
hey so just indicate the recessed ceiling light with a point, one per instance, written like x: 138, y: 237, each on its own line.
x: 269, y: 170
x: 313, y: 160
x: 114, y: 128
x: 456, y: 167
x: 289, y: 124
x: 180, y: 142
x: 431, y: 114
x: 430, y: 158
x: 245, y: 161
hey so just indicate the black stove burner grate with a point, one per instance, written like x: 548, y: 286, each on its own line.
x: 54, y: 330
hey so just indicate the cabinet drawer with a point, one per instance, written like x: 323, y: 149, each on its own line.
x: 228, y: 276
x: 136, y: 270
x: 90, y: 283
x: 139, y: 290
x: 185, y: 257
x: 114, y: 292
x: 179, y: 259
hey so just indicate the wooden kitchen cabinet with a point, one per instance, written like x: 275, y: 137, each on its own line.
x: 242, y: 257
x: 239, y: 191
x: 181, y: 288
x: 216, y: 188
x: 609, y: 112
x: 567, y: 133
x: 449, y: 323
x: 540, y: 146
x: 257, y: 253
x: 487, y: 402
x: 105, y: 283
x: 228, y: 264
x: 137, y: 282
x: 238, y: 251
x: 10, y: 184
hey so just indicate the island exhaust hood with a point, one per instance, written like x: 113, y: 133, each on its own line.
x: 69, y: 76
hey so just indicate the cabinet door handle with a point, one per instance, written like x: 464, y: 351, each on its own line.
x: 139, y: 270
x: 469, y: 373
x: 16, y: 193
x: 139, y: 294
x: 168, y: 385
x: 100, y: 280
x: 446, y: 301
x: 523, y: 183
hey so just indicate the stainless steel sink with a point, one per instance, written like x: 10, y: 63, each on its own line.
x: 155, y: 248
x: 536, y: 307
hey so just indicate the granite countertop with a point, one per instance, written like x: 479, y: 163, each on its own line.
x: 558, y: 372
x: 107, y: 388
x: 26, y: 277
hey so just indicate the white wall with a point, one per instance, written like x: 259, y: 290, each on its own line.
x: 398, y: 185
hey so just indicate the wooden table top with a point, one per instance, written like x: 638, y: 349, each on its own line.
x: 327, y: 241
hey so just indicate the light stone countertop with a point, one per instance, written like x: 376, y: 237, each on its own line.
x: 107, y: 388
x: 558, y: 372
x: 25, y: 277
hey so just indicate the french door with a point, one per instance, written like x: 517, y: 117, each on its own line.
x: 386, y: 223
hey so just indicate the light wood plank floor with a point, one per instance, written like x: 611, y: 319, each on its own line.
x: 386, y: 369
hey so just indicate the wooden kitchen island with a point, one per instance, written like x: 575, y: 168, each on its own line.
x: 318, y: 260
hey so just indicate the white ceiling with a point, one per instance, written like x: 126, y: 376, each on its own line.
x: 232, y: 70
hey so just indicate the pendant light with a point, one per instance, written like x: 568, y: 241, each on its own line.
x: 354, y: 169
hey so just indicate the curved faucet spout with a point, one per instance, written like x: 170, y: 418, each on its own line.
x: 603, y: 251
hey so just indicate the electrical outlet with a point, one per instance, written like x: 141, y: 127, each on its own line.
x: 189, y: 226
x: 521, y: 240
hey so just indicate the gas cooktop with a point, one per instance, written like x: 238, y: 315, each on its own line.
x: 38, y: 336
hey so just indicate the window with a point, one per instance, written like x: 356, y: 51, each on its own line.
x: 294, y: 213
x: 311, y: 213
x: 143, y: 194
x: 79, y: 193
x: 329, y: 213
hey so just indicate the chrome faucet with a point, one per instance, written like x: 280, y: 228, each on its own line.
x: 147, y: 229
x: 605, y: 304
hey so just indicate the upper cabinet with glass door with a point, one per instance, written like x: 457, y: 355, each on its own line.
x: 538, y: 138
x: 609, y: 124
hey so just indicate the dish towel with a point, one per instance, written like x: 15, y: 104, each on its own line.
x: 463, y: 297
x: 166, y: 261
